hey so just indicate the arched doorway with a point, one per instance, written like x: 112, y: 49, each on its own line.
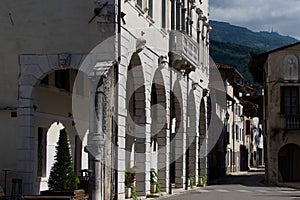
x: 52, y: 106
x: 192, y: 138
x: 136, y: 140
x: 46, y: 84
x: 177, y: 143
x: 202, y: 141
x: 289, y: 163
x: 159, y: 138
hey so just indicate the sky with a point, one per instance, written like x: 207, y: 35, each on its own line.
x: 283, y: 16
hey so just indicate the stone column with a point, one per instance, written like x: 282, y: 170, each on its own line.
x: 96, y: 135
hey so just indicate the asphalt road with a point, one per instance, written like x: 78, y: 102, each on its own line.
x: 246, y: 186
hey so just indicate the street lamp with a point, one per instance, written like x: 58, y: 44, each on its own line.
x: 227, y: 116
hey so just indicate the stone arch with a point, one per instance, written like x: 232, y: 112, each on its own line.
x: 177, y: 135
x: 49, y: 137
x: 159, y: 128
x: 202, y: 142
x: 288, y: 163
x: 192, y: 137
x: 136, y: 135
x: 32, y: 69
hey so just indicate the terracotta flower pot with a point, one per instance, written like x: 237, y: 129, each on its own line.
x: 153, y: 188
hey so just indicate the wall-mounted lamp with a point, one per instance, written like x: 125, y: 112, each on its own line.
x: 227, y: 116
x: 122, y: 17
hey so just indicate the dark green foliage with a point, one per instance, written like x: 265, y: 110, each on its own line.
x: 231, y: 45
x: 234, y: 55
x: 227, y: 33
x: 130, y: 178
x: 62, y: 175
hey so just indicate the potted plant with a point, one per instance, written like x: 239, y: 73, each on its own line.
x: 154, y: 184
x: 201, y: 181
x: 153, y: 180
x: 129, y: 183
x: 191, y: 182
x: 62, y: 179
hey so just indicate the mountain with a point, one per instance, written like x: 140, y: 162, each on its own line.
x: 231, y: 45
x: 225, y: 32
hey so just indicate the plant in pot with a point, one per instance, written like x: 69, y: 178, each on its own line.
x: 62, y: 177
x: 191, y: 182
x: 154, y: 184
x: 153, y: 181
x: 129, y: 183
x: 201, y: 181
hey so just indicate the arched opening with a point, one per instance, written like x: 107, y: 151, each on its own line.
x: 159, y: 137
x: 289, y: 163
x: 177, y: 143
x: 52, y: 106
x: 135, y: 139
x: 47, y: 142
x: 192, y: 138
x: 202, y: 141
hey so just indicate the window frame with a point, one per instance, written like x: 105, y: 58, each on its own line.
x: 284, y: 97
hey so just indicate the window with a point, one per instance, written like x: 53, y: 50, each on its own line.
x: 290, y: 100
x: 139, y: 3
x: 42, y: 145
x: 178, y: 15
x: 150, y: 8
x: 237, y: 132
x: 62, y: 79
x: 163, y: 14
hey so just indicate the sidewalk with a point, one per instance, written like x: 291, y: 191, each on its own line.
x: 177, y: 191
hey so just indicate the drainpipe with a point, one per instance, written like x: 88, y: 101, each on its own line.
x: 170, y: 121
x: 187, y: 137
x: 116, y: 100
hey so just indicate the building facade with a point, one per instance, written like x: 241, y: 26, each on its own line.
x: 128, y: 80
x: 240, y: 145
x: 278, y: 71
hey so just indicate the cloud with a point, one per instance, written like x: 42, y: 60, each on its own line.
x: 257, y: 15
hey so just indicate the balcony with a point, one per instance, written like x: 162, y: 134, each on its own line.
x: 292, y: 122
x: 184, y: 48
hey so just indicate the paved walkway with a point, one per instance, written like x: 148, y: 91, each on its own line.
x: 239, y: 183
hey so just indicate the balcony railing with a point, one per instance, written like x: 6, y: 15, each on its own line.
x: 292, y: 121
x: 183, y: 45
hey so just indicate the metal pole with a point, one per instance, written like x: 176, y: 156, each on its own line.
x: 5, y: 181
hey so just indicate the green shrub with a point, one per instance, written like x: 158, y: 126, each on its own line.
x: 62, y: 175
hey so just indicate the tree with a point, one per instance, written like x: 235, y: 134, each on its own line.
x: 62, y: 175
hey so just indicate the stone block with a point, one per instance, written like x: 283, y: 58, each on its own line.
x: 25, y: 131
x: 53, y: 61
x: 28, y: 80
x: 27, y: 59
x: 43, y: 63
x: 76, y: 61
x: 25, y: 120
x: 26, y: 110
x: 31, y: 70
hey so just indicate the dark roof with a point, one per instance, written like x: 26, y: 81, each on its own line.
x: 228, y: 72
x: 257, y: 62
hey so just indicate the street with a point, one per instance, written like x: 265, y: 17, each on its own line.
x: 245, y: 186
